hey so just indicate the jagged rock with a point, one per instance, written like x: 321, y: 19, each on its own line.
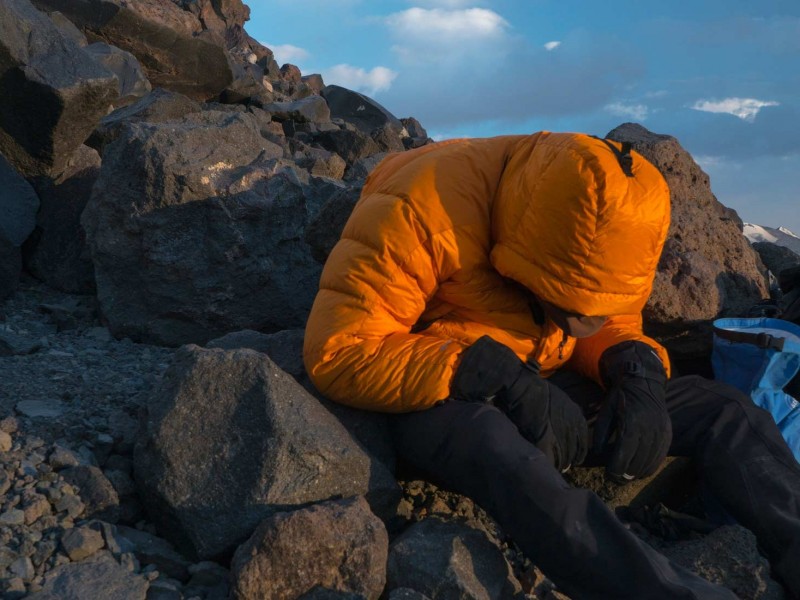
x: 707, y: 268
x: 326, y: 228
x: 159, y: 106
x: 338, y: 545
x: 285, y: 348
x: 152, y: 550
x: 56, y: 252
x: 196, y: 230
x: 82, y: 542
x: 45, y: 73
x: 291, y: 73
x: 388, y: 139
x: 230, y: 439
x: 68, y: 29
x: 349, y: 144
x: 100, y: 577
x: 17, y: 220
x: 728, y: 556
x: 161, y: 35
x: 132, y: 82
x: 776, y: 258
x: 312, y: 109
x: 359, y: 170
x: 363, y: 112
x: 98, y: 495
x: 414, y: 128
x: 407, y: 594
x: 314, y: 82
x: 445, y: 559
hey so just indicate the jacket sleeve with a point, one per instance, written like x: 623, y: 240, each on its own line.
x: 359, y: 349
x: 622, y: 328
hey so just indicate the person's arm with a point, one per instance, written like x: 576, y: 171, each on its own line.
x: 359, y: 349
x: 585, y: 358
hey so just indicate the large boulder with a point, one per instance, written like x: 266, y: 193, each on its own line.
x: 707, y: 268
x: 196, y: 230
x: 132, y: 83
x: 52, y: 94
x: 360, y: 110
x: 339, y: 546
x: 776, y: 258
x: 325, y: 229
x: 56, y: 251
x: 161, y: 35
x: 230, y: 440
x: 19, y: 204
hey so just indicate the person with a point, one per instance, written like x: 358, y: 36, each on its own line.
x: 487, y: 293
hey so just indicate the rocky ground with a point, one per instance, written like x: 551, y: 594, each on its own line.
x: 71, y: 521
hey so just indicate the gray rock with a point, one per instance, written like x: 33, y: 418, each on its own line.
x: 707, y: 268
x: 100, y: 578
x: 164, y: 191
x: 132, y: 82
x: 152, y: 550
x: 776, y: 258
x: 450, y: 560
x: 5, y: 442
x: 12, y: 344
x: 82, y: 542
x: 67, y: 85
x: 13, y: 516
x: 363, y: 112
x: 22, y: 568
x: 326, y: 228
x: 351, y: 145
x: 56, y: 252
x: 285, y: 348
x: 68, y: 29
x: 159, y: 106
x: 61, y: 458
x: 98, y: 495
x: 49, y: 409
x: 230, y: 439
x: 17, y: 220
x: 313, y: 109
x: 338, y: 545
x: 160, y: 35
x: 407, y: 594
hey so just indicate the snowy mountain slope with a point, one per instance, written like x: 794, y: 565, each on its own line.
x: 780, y: 236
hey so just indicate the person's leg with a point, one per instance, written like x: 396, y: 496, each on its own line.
x: 744, y: 462
x: 475, y: 450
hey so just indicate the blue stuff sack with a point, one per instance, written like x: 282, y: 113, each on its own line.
x: 760, y: 357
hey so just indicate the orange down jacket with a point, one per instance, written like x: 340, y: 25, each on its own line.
x: 448, y: 241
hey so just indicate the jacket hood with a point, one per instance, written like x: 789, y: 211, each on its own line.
x: 570, y: 225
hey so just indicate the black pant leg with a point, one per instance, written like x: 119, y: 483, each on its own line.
x: 475, y: 450
x: 744, y: 462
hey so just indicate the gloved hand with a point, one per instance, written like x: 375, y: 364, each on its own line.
x: 633, y: 427
x: 543, y: 413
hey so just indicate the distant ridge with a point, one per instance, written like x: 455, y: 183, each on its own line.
x: 780, y: 236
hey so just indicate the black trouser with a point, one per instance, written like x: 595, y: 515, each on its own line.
x: 474, y: 449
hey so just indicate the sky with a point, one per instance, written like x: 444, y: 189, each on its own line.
x: 722, y: 76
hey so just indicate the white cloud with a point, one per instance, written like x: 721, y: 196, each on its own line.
x: 287, y: 53
x: 370, y: 82
x: 550, y: 46
x: 637, y: 112
x: 447, y: 25
x: 446, y: 3
x: 744, y: 108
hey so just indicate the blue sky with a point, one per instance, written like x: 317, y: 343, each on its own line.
x: 721, y: 76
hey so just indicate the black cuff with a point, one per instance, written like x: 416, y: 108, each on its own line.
x: 631, y: 359
x: 485, y: 369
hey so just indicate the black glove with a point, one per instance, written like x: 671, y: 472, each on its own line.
x: 635, y: 413
x: 543, y: 413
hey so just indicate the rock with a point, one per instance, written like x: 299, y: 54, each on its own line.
x: 314, y: 82
x: 132, y: 82
x: 98, y: 495
x: 313, y: 109
x: 12, y: 517
x: 285, y: 349
x: 159, y: 106
x: 61, y: 458
x: 49, y: 409
x: 414, y: 128
x: 326, y: 227
x: 160, y: 35
x: 81, y: 542
x: 9, y: 424
x: 67, y: 85
x: 361, y: 169
x: 449, y: 560
x: 776, y: 258
x: 230, y: 439
x: 68, y: 29
x: 388, y: 139
x: 322, y: 163
x: 97, y: 578
x: 707, y: 268
x: 56, y: 252
x: 5, y: 442
x: 12, y: 344
x: 338, y: 545
x: 17, y: 220
x: 22, y: 568
x: 728, y: 556
x: 350, y: 145
x: 406, y: 594
x: 152, y: 550
x: 355, y: 108
x: 164, y: 191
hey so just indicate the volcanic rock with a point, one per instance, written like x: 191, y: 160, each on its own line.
x: 230, y: 440
x: 53, y: 93
x: 360, y: 110
x: 337, y: 545
x: 326, y: 228
x: 17, y: 220
x: 132, y: 82
x: 776, y: 258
